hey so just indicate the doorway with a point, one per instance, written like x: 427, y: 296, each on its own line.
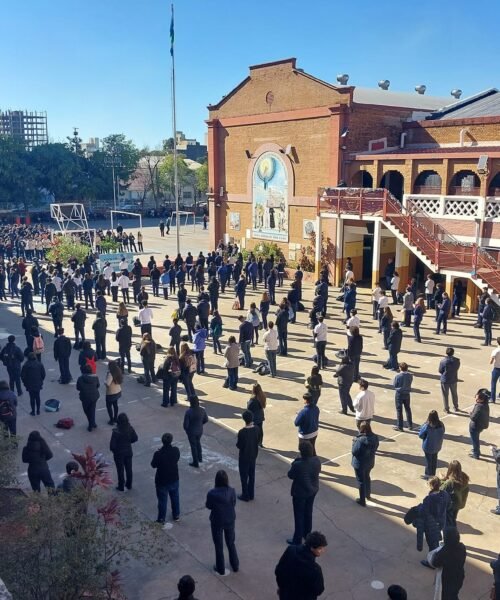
x: 367, y: 257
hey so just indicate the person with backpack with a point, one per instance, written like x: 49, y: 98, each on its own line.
x: 170, y: 372
x: 456, y: 483
x: 147, y: 350
x: 78, y: 318
x: 12, y: 357
x: 99, y: 326
x: 87, y: 357
x: 113, y: 383
x: 187, y: 361
x: 124, y: 339
x: 62, y: 352
x: 194, y: 419
x: 199, y: 345
x: 122, y: 438
x: 33, y: 375
x: 56, y: 311
x: 479, y: 421
x: 88, y: 386
x: 38, y: 344
x: 8, y: 408
x: 36, y: 453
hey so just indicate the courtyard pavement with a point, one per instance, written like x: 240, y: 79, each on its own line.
x: 369, y: 548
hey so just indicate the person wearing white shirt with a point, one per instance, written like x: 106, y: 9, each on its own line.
x: 429, y: 290
x: 270, y: 339
x: 145, y: 317
x: 349, y: 277
x: 352, y: 321
x: 57, y: 281
x: 364, y: 403
x: 495, y: 373
x: 382, y: 303
x: 395, y: 287
x: 123, y: 283
x: 77, y: 278
x: 107, y: 271
x: 376, y: 295
x: 123, y: 266
x: 320, y: 337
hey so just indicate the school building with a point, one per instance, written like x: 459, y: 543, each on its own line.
x: 379, y: 173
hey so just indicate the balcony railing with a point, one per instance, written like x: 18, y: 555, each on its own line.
x: 465, y: 208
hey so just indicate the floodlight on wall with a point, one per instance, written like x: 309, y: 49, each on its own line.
x: 456, y: 93
x: 287, y: 150
x: 384, y: 84
x: 249, y: 154
x: 420, y: 89
x: 482, y: 165
x: 343, y: 78
x: 221, y: 190
x: 345, y: 132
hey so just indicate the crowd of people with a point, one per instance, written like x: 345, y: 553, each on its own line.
x: 68, y: 292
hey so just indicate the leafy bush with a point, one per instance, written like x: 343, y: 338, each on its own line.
x: 64, y: 248
x: 264, y: 250
x: 109, y: 246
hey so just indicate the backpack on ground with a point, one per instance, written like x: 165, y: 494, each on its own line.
x: 65, y: 423
x: 6, y: 409
x: 263, y: 368
x: 52, y: 405
x: 91, y: 362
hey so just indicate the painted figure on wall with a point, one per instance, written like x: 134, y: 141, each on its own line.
x: 270, y: 198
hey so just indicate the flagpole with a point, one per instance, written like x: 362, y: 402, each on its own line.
x: 174, y: 125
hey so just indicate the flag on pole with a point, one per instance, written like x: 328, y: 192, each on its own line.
x: 172, y: 33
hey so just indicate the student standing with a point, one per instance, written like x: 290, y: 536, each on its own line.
x: 221, y: 501
x: 33, y: 375
x: 147, y: 351
x: 256, y: 405
x: 124, y: 339
x: 364, y: 404
x: 442, y: 316
x: 320, y: 333
x: 495, y: 372
x: 36, y: 453
x: 429, y: 291
x: 364, y: 447
x: 456, y: 483
x: 448, y: 368
x: 345, y: 378
x: 432, y: 434
x: 170, y: 373
x: 231, y: 354
x: 165, y: 461
x: 122, y: 438
x: 450, y: 559
x: 479, y: 421
x: 271, y: 345
x: 402, y: 386
x: 307, y: 421
x: 62, y: 352
x: 248, y: 445
x: 88, y: 386
x: 355, y: 349
x: 8, y: 408
x: 418, y: 315
x: 314, y: 383
x: 113, y: 383
x: 194, y: 419
x: 394, y: 342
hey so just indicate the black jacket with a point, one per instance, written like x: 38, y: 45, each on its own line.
x: 84, y: 354
x: 304, y: 473
x: 298, y: 576
x: 28, y: 322
x: 282, y: 317
x: 99, y: 327
x: 364, y: 448
x: 62, y: 347
x: 124, y: 337
x: 451, y: 558
x: 345, y: 374
x: 189, y: 314
x: 36, y: 453
x: 79, y: 317
x: 194, y: 419
x: 88, y: 386
x: 248, y: 444
x: 33, y: 374
x: 165, y: 462
x: 203, y: 309
x: 12, y: 356
x: 246, y: 332
x: 221, y: 502
x: 394, y: 341
x: 255, y: 407
x: 354, y: 346
x: 480, y: 416
x: 121, y: 441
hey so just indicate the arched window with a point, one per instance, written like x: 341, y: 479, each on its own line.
x: 464, y: 183
x: 362, y: 179
x: 494, y: 187
x: 394, y: 182
x: 427, y: 182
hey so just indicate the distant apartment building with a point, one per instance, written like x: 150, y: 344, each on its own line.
x: 191, y: 148
x: 93, y: 145
x: 28, y: 126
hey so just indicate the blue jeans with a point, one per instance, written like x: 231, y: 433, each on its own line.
x: 474, y: 436
x: 488, y: 334
x: 229, y: 535
x: 495, y: 374
x: 271, y: 359
x: 442, y: 320
x: 245, y: 348
x: 232, y: 378
x: 283, y: 345
x: 200, y: 361
x: 416, y: 330
x: 162, y: 493
x: 364, y: 483
x: 170, y: 389
x: 430, y: 463
x: 392, y: 363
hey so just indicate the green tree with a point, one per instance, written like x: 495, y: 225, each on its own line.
x: 166, y: 174
x: 123, y: 153
x: 60, y: 171
x: 168, y: 145
x: 201, y: 176
x: 18, y: 177
x: 65, y: 247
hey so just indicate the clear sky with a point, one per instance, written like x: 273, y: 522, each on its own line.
x: 104, y: 65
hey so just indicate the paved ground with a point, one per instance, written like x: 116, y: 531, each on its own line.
x: 366, y: 546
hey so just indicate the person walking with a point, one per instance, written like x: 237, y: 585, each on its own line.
x: 364, y: 447
x: 147, y: 350
x: 320, y: 333
x: 8, y: 409
x: 479, y: 421
x: 449, y: 559
x: 443, y: 312
x: 247, y: 443
x: 402, y: 386
x: 456, y: 483
x: 304, y: 473
x: 33, y: 375
x: 232, y: 363
x: 12, y: 357
x: 432, y: 434
x: 36, y: 454
x: 364, y: 404
x: 307, y: 421
x: 448, y: 369
x: 62, y: 353
x: 271, y: 345
x: 194, y: 419
x: 221, y: 501
x: 113, y: 384
x: 170, y: 373
x: 122, y: 438
x: 165, y: 461
x: 88, y: 386
x: 394, y: 342
x: 124, y: 339
x: 345, y: 378
x: 99, y: 327
x: 256, y: 405
x: 355, y: 349
x: 298, y: 576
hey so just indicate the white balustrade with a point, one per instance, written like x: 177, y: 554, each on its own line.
x: 456, y: 207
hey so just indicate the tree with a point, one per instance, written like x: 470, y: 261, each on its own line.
x: 64, y: 248
x: 201, y: 177
x: 166, y: 174
x: 168, y: 145
x: 123, y: 153
x: 60, y: 171
x: 18, y: 177
x: 148, y: 175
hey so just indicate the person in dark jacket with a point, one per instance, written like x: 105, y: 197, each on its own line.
x: 488, y: 318
x: 79, y: 317
x: 433, y: 510
x: 186, y: 588
x: 56, y: 311
x: 27, y: 324
x: 304, y: 473
x: 213, y: 292
x: 240, y: 289
x: 297, y: 575
x: 88, y: 386
x: 245, y: 339
x: 194, y: 419
x: 62, y: 352
x: 175, y: 335
x: 432, y: 434
x: 36, y: 453
x: 355, y: 349
x: 124, y: 339
x: 394, y: 345
x: 256, y: 406
x: 402, y: 386
x: 442, y: 315
x: 87, y: 357
x: 99, y: 326
x: 12, y: 357
x: 345, y: 378
x: 190, y: 313
x: 349, y: 299
x: 8, y: 407
x: 451, y: 559
x: 479, y: 420
x: 122, y: 438
x: 307, y: 421
x: 364, y: 447
x: 248, y: 445
x: 221, y: 501
x: 495, y: 567
x: 281, y: 323
x: 33, y: 375
x: 448, y: 369
x: 203, y: 312
x: 165, y: 461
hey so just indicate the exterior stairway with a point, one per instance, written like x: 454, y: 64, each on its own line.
x: 435, y: 246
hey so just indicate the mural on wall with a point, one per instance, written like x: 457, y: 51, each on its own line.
x: 234, y: 221
x: 270, y: 198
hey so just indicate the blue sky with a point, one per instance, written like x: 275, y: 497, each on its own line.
x: 104, y: 65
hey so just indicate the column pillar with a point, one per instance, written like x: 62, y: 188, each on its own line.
x: 402, y: 263
x: 317, y: 249
x: 448, y: 287
x: 339, y: 251
x: 377, y: 236
x: 215, y: 227
x: 471, y: 296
